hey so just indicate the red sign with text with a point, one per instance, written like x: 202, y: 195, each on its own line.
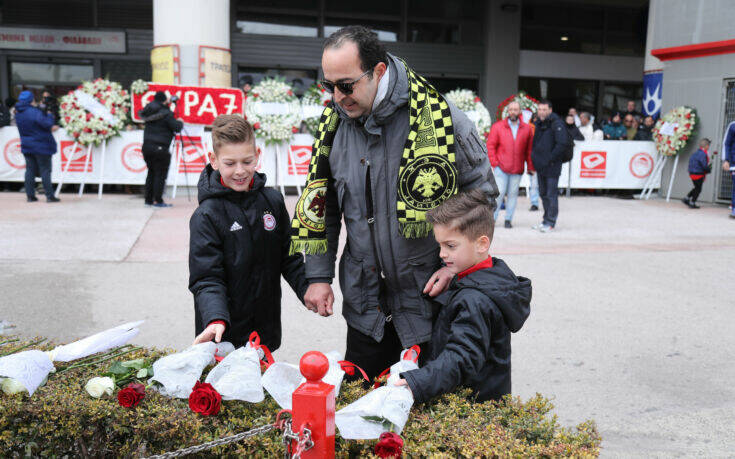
x: 594, y: 164
x: 78, y: 157
x: 298, y: 160
x: 196, y: 105
x: 193, y: 160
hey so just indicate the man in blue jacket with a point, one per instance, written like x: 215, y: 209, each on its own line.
x: 550, y: 141
x: 36, y: 143
x: 728, y: 149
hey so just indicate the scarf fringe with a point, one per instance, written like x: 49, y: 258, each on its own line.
x: 415, y: 230
x: 308, y: 246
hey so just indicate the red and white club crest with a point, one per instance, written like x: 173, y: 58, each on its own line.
x: 132, y: 158
x: 269, y: 221
x: 13, y: 155
x: 193, y: 159
x: 641, y: 165
x: 77, y: 156
x: 594, y: 164
x: 299, y: 159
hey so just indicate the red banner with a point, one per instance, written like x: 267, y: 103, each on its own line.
x: 78, y: 157
x: 299, y: 159
x: 193, y: 159
x: 196, y: 105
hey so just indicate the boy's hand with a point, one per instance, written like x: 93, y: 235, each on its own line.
x: 212, y: 331
x: 439, y: 282
x: 403, y: 382
x: 725, y: 166
x: 319, y: 298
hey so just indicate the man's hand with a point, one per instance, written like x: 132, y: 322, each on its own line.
x: 725, y: 166
x: 212, y: 331
x: 439, y: 282
x: 319, y: 298
x: 54, y: 128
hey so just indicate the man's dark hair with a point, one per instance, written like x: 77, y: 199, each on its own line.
x: 468, y: 212
x: 371, y: 50
x: 160, y: 97
x: 545, y: 102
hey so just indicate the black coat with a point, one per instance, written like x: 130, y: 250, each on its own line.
x: 549, y: 143
x: 643, y: 133
x: 236, y: 258
x: 574, y: 132
x: 470, y: 342
x: 160, y: 127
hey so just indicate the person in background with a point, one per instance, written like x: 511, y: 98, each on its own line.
x: 645, y: 129
x: 509, y: 150
x: 632, y: 111
x: 37, y: 145
x: 10, y: 103
x: 587, y: 127
x: 532, y: 176
x: 50, y: 105
x: 631, y: 126
x: 573, y: 112
x: 614, y: 130
x: 699, y: 167
x: 573, y: 129
x: 728, y: 153
x: 5, y: 115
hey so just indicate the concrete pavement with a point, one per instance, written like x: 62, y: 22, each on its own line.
x: 631, y: 316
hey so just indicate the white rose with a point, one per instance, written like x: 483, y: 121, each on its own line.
x: 12, y: 386
x: 97, y: 387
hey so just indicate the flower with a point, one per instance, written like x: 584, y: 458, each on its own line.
x: 131, y: 395
x: 12, y: 386
x: 256, y: 126
x: 295, y: 130
x: 97, y: 387
x: 204, y: 399
x: 389, y: 445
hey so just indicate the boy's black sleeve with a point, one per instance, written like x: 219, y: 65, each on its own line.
x: 464, y: 355
x: 207, y: 279
x: 292, y: 266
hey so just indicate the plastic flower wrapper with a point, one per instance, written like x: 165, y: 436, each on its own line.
x: 99, y: 342
x: 97, y: 387
x: 384, y: 408
x: 237, y: 376
x: 282, y: 379
x: 11, y: 386
x: 28, y: 368
x: 177, y: 373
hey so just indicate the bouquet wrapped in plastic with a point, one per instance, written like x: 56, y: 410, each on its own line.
x: 237, y: 376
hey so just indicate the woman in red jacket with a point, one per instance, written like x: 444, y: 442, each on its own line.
x: 509, y: 149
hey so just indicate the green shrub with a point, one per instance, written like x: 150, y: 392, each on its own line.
x: 62, y: 419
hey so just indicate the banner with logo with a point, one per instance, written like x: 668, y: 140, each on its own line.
x: 215, y: 67
x: 619, y: 164
x: 196, y: 105
x: 165, y: 64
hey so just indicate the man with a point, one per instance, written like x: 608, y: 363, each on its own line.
x: 631, y: 126
x: 614, y: 130
x: 37, y: 145
x: 509, y: 149
x: 368, y: 171
x: 645, y: 130
x: 573, y: 112
x: 630, y: 110
x: 550, y: 141
x: 160, y: 128
x: 587, y: 128
x: 728, y: 165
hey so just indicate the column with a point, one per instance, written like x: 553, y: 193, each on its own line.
x: 502, y: 51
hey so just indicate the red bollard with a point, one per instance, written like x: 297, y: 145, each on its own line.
x: 313, y: 406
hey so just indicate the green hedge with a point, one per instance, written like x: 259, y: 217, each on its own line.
x: 62, y: 419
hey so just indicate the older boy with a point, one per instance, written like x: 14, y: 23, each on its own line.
x: 485, y: 302
x: 239, y: 244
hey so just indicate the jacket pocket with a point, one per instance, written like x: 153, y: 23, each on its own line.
x: 422, y: 267
x: 351, y: 281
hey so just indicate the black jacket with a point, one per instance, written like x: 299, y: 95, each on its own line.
x: 574, y: 132
x: 470, y: 342
x: 238, y: 250
x: 549, y: 143
x: 643, y: 133
x: 160, y: 127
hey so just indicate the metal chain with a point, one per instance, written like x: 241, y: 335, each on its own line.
x: 219, y: 442
x: 304, y: 442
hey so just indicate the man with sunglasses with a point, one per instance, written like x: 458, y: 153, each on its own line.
x: 390, y: 266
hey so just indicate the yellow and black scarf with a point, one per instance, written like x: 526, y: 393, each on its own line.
x: 427, y: 175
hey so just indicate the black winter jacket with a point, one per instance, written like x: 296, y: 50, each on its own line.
x: 470, y: 342
x: 160, y: 127
x: 238, y: 250
x: 549, y: 142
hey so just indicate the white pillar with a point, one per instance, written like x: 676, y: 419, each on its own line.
x: 190, y: 24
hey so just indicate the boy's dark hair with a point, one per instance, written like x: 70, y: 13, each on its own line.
x: 545, y: 102
x: 708, y: 141
x: 228, y: 129
x: 369, y: 47
x: 467, y: 212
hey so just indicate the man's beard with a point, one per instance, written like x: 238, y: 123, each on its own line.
x: 513, y: 118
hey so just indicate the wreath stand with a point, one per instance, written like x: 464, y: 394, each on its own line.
x: 658, y: 169
x: 68, y: 164
x: 281, y: 171
x: 102, y: 170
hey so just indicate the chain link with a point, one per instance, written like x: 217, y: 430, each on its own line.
x: 303, y: 439
x: 214, y: 443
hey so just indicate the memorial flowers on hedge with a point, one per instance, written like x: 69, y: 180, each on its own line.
x: 95, y: 111
x: 204, y: 399
x: 527, y: 103
x: 131, y: 395
x: 312, y: 104
x: 674, y: 130
x: 273, y: 110
x: 390, y: 444
x: 467, y: 101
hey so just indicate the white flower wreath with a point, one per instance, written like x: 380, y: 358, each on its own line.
x: 95, y: 111
x: 672, y: 132
x: 273, y: 110
x: 467, y: 101
x: 312, y: 105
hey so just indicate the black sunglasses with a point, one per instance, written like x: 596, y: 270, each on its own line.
x: 344, y: 87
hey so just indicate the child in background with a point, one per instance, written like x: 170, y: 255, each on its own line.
x: 699, y: 167
x: 239, y: 244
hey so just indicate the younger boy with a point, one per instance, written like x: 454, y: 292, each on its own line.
x: 239, y: 244
x: 485, y: 302
x: 699, y: 167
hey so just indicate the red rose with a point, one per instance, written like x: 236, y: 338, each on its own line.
x: 76, y: 134
x: 326, y: 102
x: 477, y: 99
x: 131, y: 395
x: 112, y: 110
x: 295, y: 130
x: 255, y: 94
x: 689, y: 115
x: 66, y: 118
x: 89, y: 116
x: 204, y: 399
x: 256, y: 126
x: 290, y: 93
x: 389, y: 445
x: 684, y: 137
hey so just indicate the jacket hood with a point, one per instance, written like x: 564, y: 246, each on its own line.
x: 510, y: 293
x: 22, y: 106
x: 395, y: 98
x: 210, y: 186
